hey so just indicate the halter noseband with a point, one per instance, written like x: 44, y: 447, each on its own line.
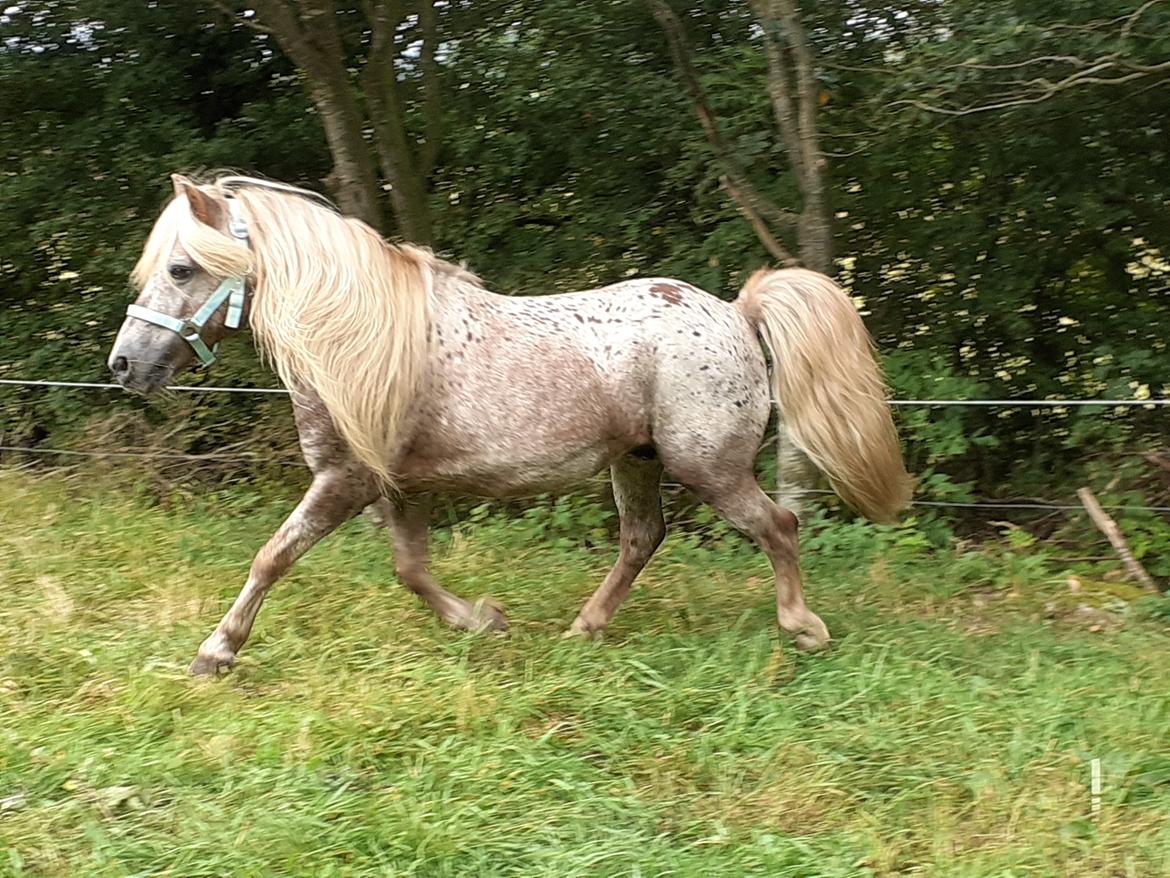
x: 231, y: 290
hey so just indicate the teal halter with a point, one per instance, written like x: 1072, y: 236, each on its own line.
x: 231, y: 290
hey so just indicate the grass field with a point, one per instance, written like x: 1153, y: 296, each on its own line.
x: 949, y: 732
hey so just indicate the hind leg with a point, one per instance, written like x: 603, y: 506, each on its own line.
x: 639, y: 502
x: 774, y: 530
x: 733, y: 491
x: 708, y: 426
x: 408, y: 519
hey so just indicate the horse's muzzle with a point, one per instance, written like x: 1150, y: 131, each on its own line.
x: 137, y: 376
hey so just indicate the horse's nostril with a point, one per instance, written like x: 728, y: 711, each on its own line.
x: 120, y: 365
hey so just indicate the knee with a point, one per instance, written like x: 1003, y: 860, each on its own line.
x: 266, y: 569
x: 786, y: 521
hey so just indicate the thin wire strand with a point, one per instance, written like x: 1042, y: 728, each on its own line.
x: 982, y: 504
x: 1003, y: 403
x: 147, y: 455
x: 1028, y: 403
x: 152, y: 455
x: 1051, y: 507
x: 179, y: 387
x: 1016, y: 403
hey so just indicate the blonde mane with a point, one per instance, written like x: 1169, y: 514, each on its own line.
x: 335, y: 308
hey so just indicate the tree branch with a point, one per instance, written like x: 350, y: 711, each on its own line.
x: 1047, y: 90
x: 733, y: 168
x: 1108, y: 69
x: 1131, y: 21
x: 1040, y: 59
x: 234, y: 16
x: 1109, y: 527
x: 1158, y: 459
x: 758, y: 225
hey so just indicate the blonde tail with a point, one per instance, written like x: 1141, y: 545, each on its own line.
x: 829, y: 387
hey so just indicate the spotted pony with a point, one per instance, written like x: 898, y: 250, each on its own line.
x: 410, y: 380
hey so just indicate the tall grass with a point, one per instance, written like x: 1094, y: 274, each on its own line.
x: 949, y: 732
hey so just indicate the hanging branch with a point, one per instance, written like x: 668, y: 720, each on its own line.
x: 1111, y: 68
x: 758, y: 225
x: 757, y: 208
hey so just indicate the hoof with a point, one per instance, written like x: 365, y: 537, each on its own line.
x: 211, y: 665
x: 806, y: 642
x: 808, y: 632
x: 483, y: 616
x: 581, y: 631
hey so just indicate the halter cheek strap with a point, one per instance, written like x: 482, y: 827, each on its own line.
x: 231, y: 290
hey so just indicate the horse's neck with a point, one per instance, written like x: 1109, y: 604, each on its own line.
x: 457, y: 302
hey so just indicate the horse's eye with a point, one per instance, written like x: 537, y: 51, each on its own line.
x: 180, y: 272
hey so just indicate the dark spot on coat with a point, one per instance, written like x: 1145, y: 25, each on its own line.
x: 668, y: 292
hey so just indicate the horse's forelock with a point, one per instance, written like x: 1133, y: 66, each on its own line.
x: 158, y: 244
x: 210, y: 248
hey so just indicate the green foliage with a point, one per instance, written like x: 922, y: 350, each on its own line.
x: 1018, y: 253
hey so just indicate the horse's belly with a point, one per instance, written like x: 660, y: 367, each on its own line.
x: 516, y: 471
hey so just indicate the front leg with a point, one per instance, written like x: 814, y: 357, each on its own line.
x: 408, y: 519
x: 335, y: 496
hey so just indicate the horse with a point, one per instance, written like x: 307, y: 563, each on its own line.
x: 410, y: 380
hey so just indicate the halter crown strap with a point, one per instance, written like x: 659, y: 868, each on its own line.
x: 231, y: 290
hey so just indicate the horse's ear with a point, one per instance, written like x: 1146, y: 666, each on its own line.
x: 203, y: 206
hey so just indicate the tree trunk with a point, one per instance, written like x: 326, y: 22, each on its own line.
x: 814, y: 230
x: 353, y: 180
x: 790, y: 59
x: 307, y: 32
x: 400, y: 165
x: 408, y: 196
